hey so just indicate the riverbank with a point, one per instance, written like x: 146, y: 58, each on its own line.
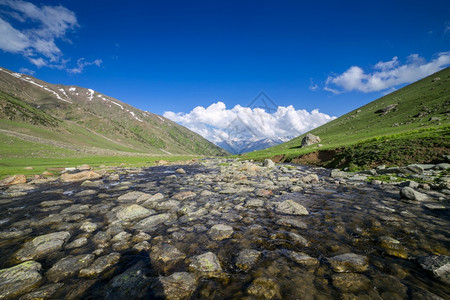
x: 221, y: 228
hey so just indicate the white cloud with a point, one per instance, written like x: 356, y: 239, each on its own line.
x: 217, y: 123
x: 27, y: 71
x: 81, y: 64
x: 32, y: 31
x: 386, y: 75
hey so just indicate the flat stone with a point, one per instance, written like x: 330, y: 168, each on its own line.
x: 42, y: 245
x: 55, y: 203
x: 220, y: 232
x: 80, y: 176
x: 291, y: 207
x: 68, y: 267
x: 86, y: 193
x: 166, y: 253
x: 264, y: 288
x: 100, y: 265
x: 133, y: 212
x: 80, y: 242
x: 207, y: 265
x: 14, y: 234
x: 168, y: 204
x: 131, y: 196
x: 76, y: 208
x: 19, y: 279
x: 350, y: 282
x: 151, y: 222
x: 393, y: 247
x: 178, y: 286
x: 303, y: 259
x: 44, y: 292
x: 291, y: 221
x: 254, y: 203
x: 121, y: 236
x: 101, y: 239
x: 184, y: 195
x: 247, y: 259
x: 349, y: 262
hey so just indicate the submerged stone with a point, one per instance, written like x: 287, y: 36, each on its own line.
x: 69, y: 266
x: 220, y: 232
x: 42, y: 245
x: 19, y: 279
x: 264, y: 288
x: 349, y: 262
x: 178, y: 286
x: 247, y: 259
x: 291, y: 207
x: 207, y: 265
x: 100, y: 265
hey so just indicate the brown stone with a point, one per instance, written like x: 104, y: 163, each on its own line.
x: 15, y: 179
x: 80, y: 176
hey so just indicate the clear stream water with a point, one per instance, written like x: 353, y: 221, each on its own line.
x: 343, y: 218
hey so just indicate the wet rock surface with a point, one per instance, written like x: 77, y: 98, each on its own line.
x: 226, y: 229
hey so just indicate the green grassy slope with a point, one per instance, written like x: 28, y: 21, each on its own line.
x: 415, y: 130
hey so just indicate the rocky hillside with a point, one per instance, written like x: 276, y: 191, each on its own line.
x: 81, y: 119
x: 410, y: 125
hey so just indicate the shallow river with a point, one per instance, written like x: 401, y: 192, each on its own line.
x: 294, y: 253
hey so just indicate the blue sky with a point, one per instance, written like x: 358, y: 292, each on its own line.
x: 176, y: 55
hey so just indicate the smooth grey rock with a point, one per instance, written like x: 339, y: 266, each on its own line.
x: 178, y: 286
x: 131, y: 196
x: 100, y: 265
x: 19, y: 279
x: 247, y: 259
x: 133, y: 212
x: 268, y: 163
x: 336, y: 173
x: 409, y: 183
x: 55, y: 203
x: 410, y: 194
x: 291, y: 207
x: 151, y: 222
x: 220, y: 232
x: 68, y: 267
x: 42, y: 245
x: 168, y: 204
x: 439, y: 265
x: 442, y: 166
x: 349, y: 262
x: 207, y: 265
x: 310, y: 139
x: 311, y: 178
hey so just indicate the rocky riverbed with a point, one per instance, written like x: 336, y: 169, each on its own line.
x: 221, y: 228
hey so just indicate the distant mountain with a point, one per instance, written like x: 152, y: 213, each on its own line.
x: 239, y: 146
x: 410, y: 125
x: 81, y: 119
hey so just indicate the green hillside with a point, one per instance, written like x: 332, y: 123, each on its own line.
x: 409, y: 125
x: 39, y: 119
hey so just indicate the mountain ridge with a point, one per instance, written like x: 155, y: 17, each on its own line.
x: 86, y: 118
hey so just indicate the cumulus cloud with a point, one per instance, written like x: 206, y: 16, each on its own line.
x: 33, y: 31
x: 217, y: 123
x: 386, y: 75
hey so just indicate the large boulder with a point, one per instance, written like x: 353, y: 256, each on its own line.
x: 410, y: 194
x: 15, y: 179
x: 19, y: 279
x: 80, y: 176
x: 42, y: 245
x: 310, y: 139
